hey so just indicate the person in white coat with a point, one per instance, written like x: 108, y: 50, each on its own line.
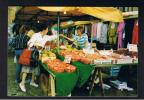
x: 37, y: 40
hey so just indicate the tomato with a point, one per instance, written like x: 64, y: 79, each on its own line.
x: 58, y: 69
x: 70, y: 68
x: 85, y: 60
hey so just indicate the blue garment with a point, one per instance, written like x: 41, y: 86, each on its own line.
x: 81, y: 40
x: 18, y: 66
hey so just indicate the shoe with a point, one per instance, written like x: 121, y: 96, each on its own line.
x: 22, y: 87
x: 130, y: 89
x: 33, y: 84
x: 69, y: 95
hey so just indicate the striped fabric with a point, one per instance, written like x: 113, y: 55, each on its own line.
x: 20, y: 41
x: 81, y: 40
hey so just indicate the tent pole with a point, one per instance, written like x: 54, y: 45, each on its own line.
x: 91, y: 35
x: 58, y: 30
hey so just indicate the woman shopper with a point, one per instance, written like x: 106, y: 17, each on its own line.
x: 41, y: 37
x: 19, y: 43
x: 37, y: 41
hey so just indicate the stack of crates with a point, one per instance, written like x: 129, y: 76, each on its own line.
x: 112, y: 71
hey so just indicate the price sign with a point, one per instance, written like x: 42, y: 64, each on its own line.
x: 88, y: 51
x: 97, y: 62
x: 132, y: 47
x: 67, y: 59
x: 48, y: 48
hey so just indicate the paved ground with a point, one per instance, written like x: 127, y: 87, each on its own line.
x: 13, y: 88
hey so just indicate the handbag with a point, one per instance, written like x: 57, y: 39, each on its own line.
x: 34, y: 59
x: 25, y: 57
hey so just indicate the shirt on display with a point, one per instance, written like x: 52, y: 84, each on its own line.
x: 94, y: 30
x: 99, y: 25
x: 135, y: 33
x: 120, y: 31
x: 112, y: 33
x: 103, y: 37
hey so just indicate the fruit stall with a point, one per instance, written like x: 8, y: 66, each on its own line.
x: 65, y: 75
x: 63, y: 66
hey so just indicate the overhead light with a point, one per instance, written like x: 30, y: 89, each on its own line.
x: 64, y: 12
x: 38, y: 21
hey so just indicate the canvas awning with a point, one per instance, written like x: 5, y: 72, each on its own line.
x: 104, y: 13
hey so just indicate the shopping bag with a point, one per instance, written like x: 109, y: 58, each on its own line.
x: 34, y: 60
x: 25, y: 57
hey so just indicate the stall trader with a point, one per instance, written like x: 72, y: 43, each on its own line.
x: 81, y: 39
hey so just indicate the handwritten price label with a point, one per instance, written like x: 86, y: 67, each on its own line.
x: 132, y: 47
x: 67, y: 59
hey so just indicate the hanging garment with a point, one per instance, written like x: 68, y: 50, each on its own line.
x: 99, y: 26
x: 89, y: 27
x: 112, y: 36
x: 86, y: 29
x: 94, y: 30
x: 123, y: 38
x: 129, y: 23
x: 135, y: 33
x: 120, y: 31
x: 103, y: 37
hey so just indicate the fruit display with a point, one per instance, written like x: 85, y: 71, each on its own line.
x: 45, y: 55
x: 86, y: 60
x: 59, y: 66
x: 101, y: 56
x: 75, y: 54
x: 70, y: 68
x: 51, y: 44
x: 132, y: 54
x: 126, y: 52
x: 79, y: 55
x: 121, y: 51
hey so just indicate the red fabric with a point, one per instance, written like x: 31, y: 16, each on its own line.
x: 25, y: 57
x: 135, y: 33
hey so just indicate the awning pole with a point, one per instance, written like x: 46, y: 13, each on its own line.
x: 58, y: 30
x: 91, y: 36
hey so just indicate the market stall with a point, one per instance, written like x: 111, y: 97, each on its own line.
x: 84, y: 66
x: 101, y: 59
x: 64, y: 67
x: 87, y: 62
